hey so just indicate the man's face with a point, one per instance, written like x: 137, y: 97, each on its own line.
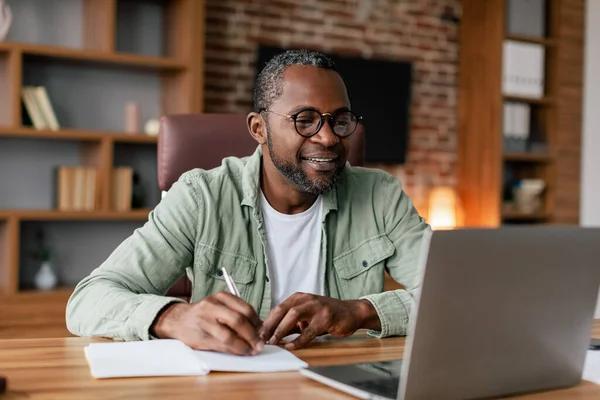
x: 311, y: 164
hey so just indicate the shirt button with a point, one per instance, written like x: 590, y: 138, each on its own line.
x: 365, y: 263
x: 219, y: 273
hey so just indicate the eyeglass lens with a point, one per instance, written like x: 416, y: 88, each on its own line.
x: 308, y: 122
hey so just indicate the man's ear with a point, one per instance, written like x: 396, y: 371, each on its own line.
x: 257, y: 127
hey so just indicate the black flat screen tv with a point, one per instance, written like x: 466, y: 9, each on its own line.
x: 380, y: 91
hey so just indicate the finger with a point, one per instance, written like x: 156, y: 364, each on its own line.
x: 241, y: 325
x: 290, y: 321
x: 239, y: 305
x: 308, y: 335
x: 277, y: 313
x: 223, y: 339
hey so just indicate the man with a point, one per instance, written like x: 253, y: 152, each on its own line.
x: 305, y: 236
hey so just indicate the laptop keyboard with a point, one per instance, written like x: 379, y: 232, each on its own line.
x: 387, y: 387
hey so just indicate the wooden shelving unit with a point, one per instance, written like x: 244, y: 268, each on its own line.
x: 486, y: 170
x: 176, y: 73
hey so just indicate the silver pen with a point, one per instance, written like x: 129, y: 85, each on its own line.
x: 230, y: 283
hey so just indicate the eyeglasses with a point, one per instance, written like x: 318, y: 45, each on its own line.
x: 308, y: 122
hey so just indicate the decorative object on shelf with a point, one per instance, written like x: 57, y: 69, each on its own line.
x: 445, y: 210
x: 132, y: 118
x: 6, y: 18
x: 152, y: 127
x: 527, y: 195
x: 45, y: 278
x: 138, y: 193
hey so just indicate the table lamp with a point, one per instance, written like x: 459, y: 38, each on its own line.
x: 444, y: 208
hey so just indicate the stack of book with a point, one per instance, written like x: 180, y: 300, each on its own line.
x: 39, y: 108
x: 77, y: 188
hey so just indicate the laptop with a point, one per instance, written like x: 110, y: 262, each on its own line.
x: 499, y: 312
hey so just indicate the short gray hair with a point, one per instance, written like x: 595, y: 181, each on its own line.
x: 269, y: 86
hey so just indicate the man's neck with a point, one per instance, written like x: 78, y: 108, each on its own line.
x: 282, y: 195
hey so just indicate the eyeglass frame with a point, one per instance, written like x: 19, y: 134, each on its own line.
x: 329, y: 117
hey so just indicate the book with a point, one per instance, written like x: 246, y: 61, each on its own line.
x: 523, y: 69
x: 170, y: 357
x: 46, y: 107
x: 32, y: 106
x: 122, y: 187
x: 39, y: 108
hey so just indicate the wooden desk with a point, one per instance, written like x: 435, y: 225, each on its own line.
x: 57, y: 369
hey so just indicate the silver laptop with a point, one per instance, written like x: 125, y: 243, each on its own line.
x: 500, y: 312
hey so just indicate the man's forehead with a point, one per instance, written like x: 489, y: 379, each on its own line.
x: 314, y: 86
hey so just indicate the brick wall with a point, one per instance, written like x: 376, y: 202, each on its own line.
x: 393, y: 30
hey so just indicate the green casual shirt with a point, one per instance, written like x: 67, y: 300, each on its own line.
x: 210, y: 219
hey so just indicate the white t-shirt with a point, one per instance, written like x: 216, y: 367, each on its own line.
x: 294, y: 251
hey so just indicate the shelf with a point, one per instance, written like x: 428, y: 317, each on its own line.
x: 52, y: 215
x: 102, y: 57
x: 76, y: 134
x: 518, y: 216
x: 532, y: 39
x: 59, y: 292
x: 528, y: 157
x: 531, y: 100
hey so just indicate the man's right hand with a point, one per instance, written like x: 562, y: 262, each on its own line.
x: 221, y: 322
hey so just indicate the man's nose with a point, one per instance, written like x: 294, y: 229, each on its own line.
x: 325, y: 136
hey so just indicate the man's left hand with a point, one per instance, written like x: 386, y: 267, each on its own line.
x: 317, y: 315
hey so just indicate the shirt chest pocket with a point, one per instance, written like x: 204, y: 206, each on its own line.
x: 361, y: 269
x: 208, y: 275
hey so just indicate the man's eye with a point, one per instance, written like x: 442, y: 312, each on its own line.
x: 305, y: 121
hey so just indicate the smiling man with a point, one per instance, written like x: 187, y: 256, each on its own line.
x: 306, y: 237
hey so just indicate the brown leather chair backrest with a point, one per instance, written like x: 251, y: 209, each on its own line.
x: 191, y: 141
x: 202, y: 141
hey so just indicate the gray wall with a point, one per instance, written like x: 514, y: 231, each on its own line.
x: 590, y: 178
x: 51, y: 22
x: 140, y: 26
x: 27, y: 171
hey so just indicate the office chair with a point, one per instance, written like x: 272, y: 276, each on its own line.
x: 191, y: 141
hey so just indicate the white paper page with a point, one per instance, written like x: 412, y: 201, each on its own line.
x: 591, y: 368
x: 270, y: 359
x: 144, y: 358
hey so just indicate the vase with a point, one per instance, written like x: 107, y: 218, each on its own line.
x: 5, y: 19
x: 45, y: 279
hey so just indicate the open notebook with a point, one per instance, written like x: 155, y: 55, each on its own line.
x: 168, y: 357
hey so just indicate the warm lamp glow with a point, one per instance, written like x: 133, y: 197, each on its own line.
x: 444, y: 208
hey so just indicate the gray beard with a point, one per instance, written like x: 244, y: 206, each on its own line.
x: 296, y: 175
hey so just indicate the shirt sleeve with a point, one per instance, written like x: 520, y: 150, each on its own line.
x: 121, y: 298
x: 408, y: 231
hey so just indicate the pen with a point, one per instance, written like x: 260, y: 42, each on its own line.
x: 230, y: 283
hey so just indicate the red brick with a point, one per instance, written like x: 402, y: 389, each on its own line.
x: 394, y: 31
